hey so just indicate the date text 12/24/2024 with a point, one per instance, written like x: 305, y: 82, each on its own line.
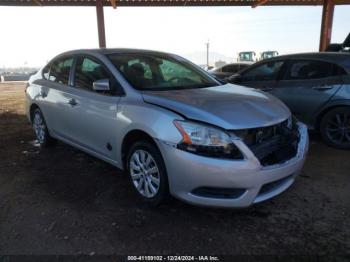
x: 173, y: 258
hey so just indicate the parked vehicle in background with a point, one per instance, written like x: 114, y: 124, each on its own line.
x: 173, y: 127
x: 228, y: 70
x: 219, y: 63
x: 344, y: 47
x: 315, y: 86
x: 206, y: 67
x: 247, y: 56
x: 268, y: 54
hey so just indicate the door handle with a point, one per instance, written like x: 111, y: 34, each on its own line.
x: 43, y: 94
x: 72, y: 102
x: 265, y: 89
x: 325, y: 87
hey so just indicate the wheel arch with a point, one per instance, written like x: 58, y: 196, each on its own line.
x: 325, y: 110
x: 32, y: 109
x: 131, y: 137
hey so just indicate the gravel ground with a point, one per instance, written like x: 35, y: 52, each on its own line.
x: 62, y: 201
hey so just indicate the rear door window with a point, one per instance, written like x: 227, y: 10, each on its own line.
x: 303, y: 70
x: 60, y: 70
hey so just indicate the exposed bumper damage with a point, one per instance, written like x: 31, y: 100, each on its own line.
x: 268, y: 168
x: 274, y: 144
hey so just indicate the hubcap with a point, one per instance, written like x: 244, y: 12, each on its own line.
x: 39, y: 127
x: 338, y: 128
x: 144, y: 173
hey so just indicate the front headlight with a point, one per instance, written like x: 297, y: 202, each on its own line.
x: 206, y: 140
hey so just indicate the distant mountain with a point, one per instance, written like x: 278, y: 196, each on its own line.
x: 200, y: 58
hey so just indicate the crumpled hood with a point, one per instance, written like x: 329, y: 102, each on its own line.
x: 228, y: 106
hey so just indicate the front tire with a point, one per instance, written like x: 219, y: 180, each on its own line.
x: 147, y: 172
x: 40, y: 129
x: 335, y: 127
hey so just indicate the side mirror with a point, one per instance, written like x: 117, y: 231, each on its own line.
x: 101, y: 85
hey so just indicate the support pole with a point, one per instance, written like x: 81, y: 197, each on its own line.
x: 207, y: 45
x: 100, y: 24
x: 327, y: 23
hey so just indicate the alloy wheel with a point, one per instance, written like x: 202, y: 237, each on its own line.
x: 144, y: 173
x: 39, y: 127
x: 338, y: 128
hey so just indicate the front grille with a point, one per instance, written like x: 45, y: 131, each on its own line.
x: 273, y: 144
x: 255, y: 136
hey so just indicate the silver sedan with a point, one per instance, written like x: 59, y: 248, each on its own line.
x: 174, y: 128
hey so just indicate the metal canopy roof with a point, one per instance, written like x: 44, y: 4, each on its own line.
x: 326, y: 25
x: 167, y: 2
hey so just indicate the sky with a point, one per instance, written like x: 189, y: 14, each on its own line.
x: 33, y: 35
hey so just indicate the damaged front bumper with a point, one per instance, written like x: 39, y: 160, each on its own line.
x: 217, y: 182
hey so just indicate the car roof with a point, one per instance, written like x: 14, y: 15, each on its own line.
x: 107, y: 51
x: 340, y: 58
x: 246, y: 63
x: 337, y: 58
x: 238, y: 63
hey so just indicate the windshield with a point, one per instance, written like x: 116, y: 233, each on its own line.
x: 160, y: 72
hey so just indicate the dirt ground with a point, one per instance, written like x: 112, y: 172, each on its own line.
x: 63, y: 201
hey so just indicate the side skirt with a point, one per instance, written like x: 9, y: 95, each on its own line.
x: 86, y: 150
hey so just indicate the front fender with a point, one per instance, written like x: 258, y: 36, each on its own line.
x: 153, y: 120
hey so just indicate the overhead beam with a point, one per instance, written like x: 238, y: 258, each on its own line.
x: 37, y: 2
x: 327, y: 24
x: 169, y: 2
x: 100, y: 24
x: 259, y: 2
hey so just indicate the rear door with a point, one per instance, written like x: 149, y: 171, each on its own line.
x: 307, y: 85
x: 93, y: 113
x: 53, y: 95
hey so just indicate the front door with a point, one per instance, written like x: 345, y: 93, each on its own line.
x: 93, y: 113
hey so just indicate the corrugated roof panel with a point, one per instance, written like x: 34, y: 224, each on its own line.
x: 163, y: 2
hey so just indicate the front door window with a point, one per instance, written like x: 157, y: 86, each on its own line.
x: 265, y: 72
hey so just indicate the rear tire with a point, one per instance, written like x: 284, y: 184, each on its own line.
x: 40, y: 129
x: 146, y: 169
x: 335, y: 127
